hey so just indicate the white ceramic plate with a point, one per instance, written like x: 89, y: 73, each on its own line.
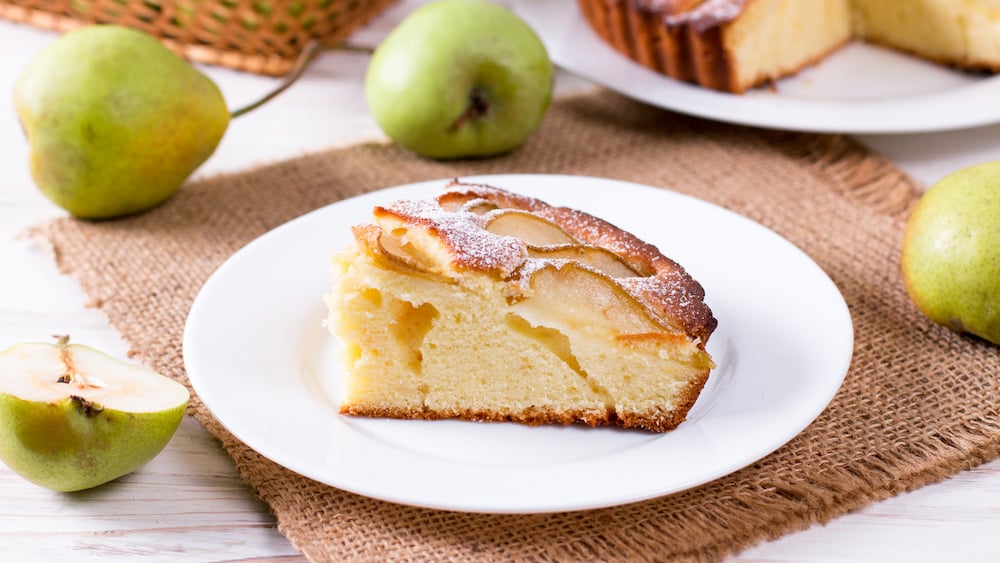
x: 859, y: 89
x: 259, y: 358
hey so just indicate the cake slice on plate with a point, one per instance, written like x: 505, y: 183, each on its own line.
x: 482, y: 304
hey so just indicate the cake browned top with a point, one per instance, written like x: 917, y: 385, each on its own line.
x: 665, y: 7
x: 706, y: 15
x: 488, y: 229
x: 702, y: 14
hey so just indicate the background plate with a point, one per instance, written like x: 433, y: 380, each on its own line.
x: 259, y: 358
x: 859, y: 89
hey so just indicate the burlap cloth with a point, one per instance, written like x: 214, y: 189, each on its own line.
x: 919, y: 404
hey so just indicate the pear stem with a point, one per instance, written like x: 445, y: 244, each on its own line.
x: 305, y: 57
x: 72, y: 376
x: 479, y: 105
x: 355, y: 49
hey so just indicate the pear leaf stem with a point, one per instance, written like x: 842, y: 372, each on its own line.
x: 479, y: 105
x: 305, y: 57
x: 72, y: 376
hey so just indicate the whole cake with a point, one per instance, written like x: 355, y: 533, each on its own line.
x: 734, y: 45
x: 482, y: 304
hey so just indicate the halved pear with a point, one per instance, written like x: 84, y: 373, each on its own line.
x: 72, y: 418
x: 530, y: 228
x: 466, y: 202
x: 369, y: 237
x: 394, y: 244
x: 601, y: 259
x: 480, y: 207
x: 582, y: 299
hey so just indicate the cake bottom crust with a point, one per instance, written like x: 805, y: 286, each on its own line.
x: 654, y: 419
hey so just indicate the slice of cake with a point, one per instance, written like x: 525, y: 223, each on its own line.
x: 486, y: 305
x: 735, y: 45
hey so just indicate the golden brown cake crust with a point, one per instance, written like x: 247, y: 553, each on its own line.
x: 706, y: 15
x: 665, y: 7
x: 676, y: 38
x: 663, y: 285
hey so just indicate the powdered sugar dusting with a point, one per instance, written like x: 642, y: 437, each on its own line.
x: 464, y: 234
x: 709, y: 13
x: 669, y: 300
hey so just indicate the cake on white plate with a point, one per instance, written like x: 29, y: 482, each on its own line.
x: 734, y: 45
x: 481, y: 304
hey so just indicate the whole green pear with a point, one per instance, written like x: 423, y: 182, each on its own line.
x: 116, y: 121
x: 72, y: 418
x: 951, y: 252
x: 460, y: 78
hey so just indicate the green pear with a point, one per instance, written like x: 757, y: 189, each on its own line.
x: 951, y: 252
x: 116, y: 121
x: 460, y: 78
x: 72, y: 418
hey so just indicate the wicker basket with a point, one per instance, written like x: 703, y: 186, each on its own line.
x: 260, y: 36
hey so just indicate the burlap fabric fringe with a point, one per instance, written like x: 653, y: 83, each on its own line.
x: 919, y: 403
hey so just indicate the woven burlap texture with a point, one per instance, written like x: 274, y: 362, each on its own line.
x: 918, y: 404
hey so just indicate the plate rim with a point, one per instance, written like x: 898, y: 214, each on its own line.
x: 881, y: 116
x: 190, y: 348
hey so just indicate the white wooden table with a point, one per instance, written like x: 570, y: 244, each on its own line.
x: 189, y: 505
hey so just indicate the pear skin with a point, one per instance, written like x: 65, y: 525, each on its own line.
x: 458, y: 79
x: 72, y: 418
x: 951, y: 252
x: 115, y: 121
x: 70, y: 446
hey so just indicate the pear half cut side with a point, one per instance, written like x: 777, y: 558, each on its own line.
x: 73, y: 418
